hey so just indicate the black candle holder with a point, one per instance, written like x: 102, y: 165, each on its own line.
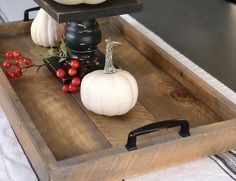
x: 82, y: 34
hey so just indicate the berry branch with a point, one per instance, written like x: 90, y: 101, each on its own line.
x: 32, y: 65
x: 16, y: 64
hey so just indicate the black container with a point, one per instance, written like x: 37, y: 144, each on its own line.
x: 82, y: 36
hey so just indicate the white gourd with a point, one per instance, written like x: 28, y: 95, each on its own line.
x: 110, y: 91
x: 45, y: 31
x: 73, y: 2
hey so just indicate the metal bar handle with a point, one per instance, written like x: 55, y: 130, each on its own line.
x: 27, y: 11
x: 184, y: 130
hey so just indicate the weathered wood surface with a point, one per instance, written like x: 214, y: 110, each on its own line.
x: 64, y: 13
x: 14, y: 29
x: 34, y: 146
x: 160, y: 95
x: 206, y: 140
x: 225, y: 108
x: 54, y: 126
x: 116, y: 129
x: 63, y: 125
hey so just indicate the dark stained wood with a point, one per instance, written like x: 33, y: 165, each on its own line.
x: 64, y: 13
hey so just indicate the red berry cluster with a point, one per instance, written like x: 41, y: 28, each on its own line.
x: 72, y: 71
x: 15, y: 62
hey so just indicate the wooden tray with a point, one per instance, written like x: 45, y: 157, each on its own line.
x: 64, y: 141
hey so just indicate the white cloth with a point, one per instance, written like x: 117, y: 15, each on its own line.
x: 14, y: 165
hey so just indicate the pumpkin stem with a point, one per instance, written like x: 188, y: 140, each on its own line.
x: 109, y: 64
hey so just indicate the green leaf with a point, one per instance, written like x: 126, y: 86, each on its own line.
x: 63, y: 48
x: 61, y: 51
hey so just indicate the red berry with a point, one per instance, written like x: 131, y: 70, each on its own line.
x: 18, y: 62
x: 72, y: 71
x: 11, y: 74
x: 16, y: 53
x: 9, y: 54
x: 18, y: 73
x: 60, y: 73
x: 75, y: 81
x: 65, y: 88
x: 6, y: 64
x: 72, y: 88
x: 27, y: 61
x: 74, y: 63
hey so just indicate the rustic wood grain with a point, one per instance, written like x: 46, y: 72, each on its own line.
x: 14, y: 29
x: 117, y: 128
x: 28, y: 135
x: 61, y: 122
x: 225, y: 108
x: 204, y: 141
x: 159, y: 93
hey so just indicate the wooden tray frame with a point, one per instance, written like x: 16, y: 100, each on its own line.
x: 117, y: 163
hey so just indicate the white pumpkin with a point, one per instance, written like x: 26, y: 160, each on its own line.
x: 73, y: 2
x: 110, y: 91
x: 45, y: 31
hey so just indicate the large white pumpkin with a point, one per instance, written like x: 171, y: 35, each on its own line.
x: 110, y: 91
x: 73, y: 2
x: 45, y: 31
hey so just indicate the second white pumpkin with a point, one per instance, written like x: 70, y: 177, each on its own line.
x: 45, y: 31
x: 110, y: 91
x: 109, y: 94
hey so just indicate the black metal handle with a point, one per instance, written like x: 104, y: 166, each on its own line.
x: 27, y: 11
x: 184, y: 130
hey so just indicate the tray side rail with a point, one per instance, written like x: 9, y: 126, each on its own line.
x: 30, y: 139
x: 158, y: 153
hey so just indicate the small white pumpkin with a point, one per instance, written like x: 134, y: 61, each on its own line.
x: 45, y: 31
x: 73, y: 2
x: 110, y: 91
